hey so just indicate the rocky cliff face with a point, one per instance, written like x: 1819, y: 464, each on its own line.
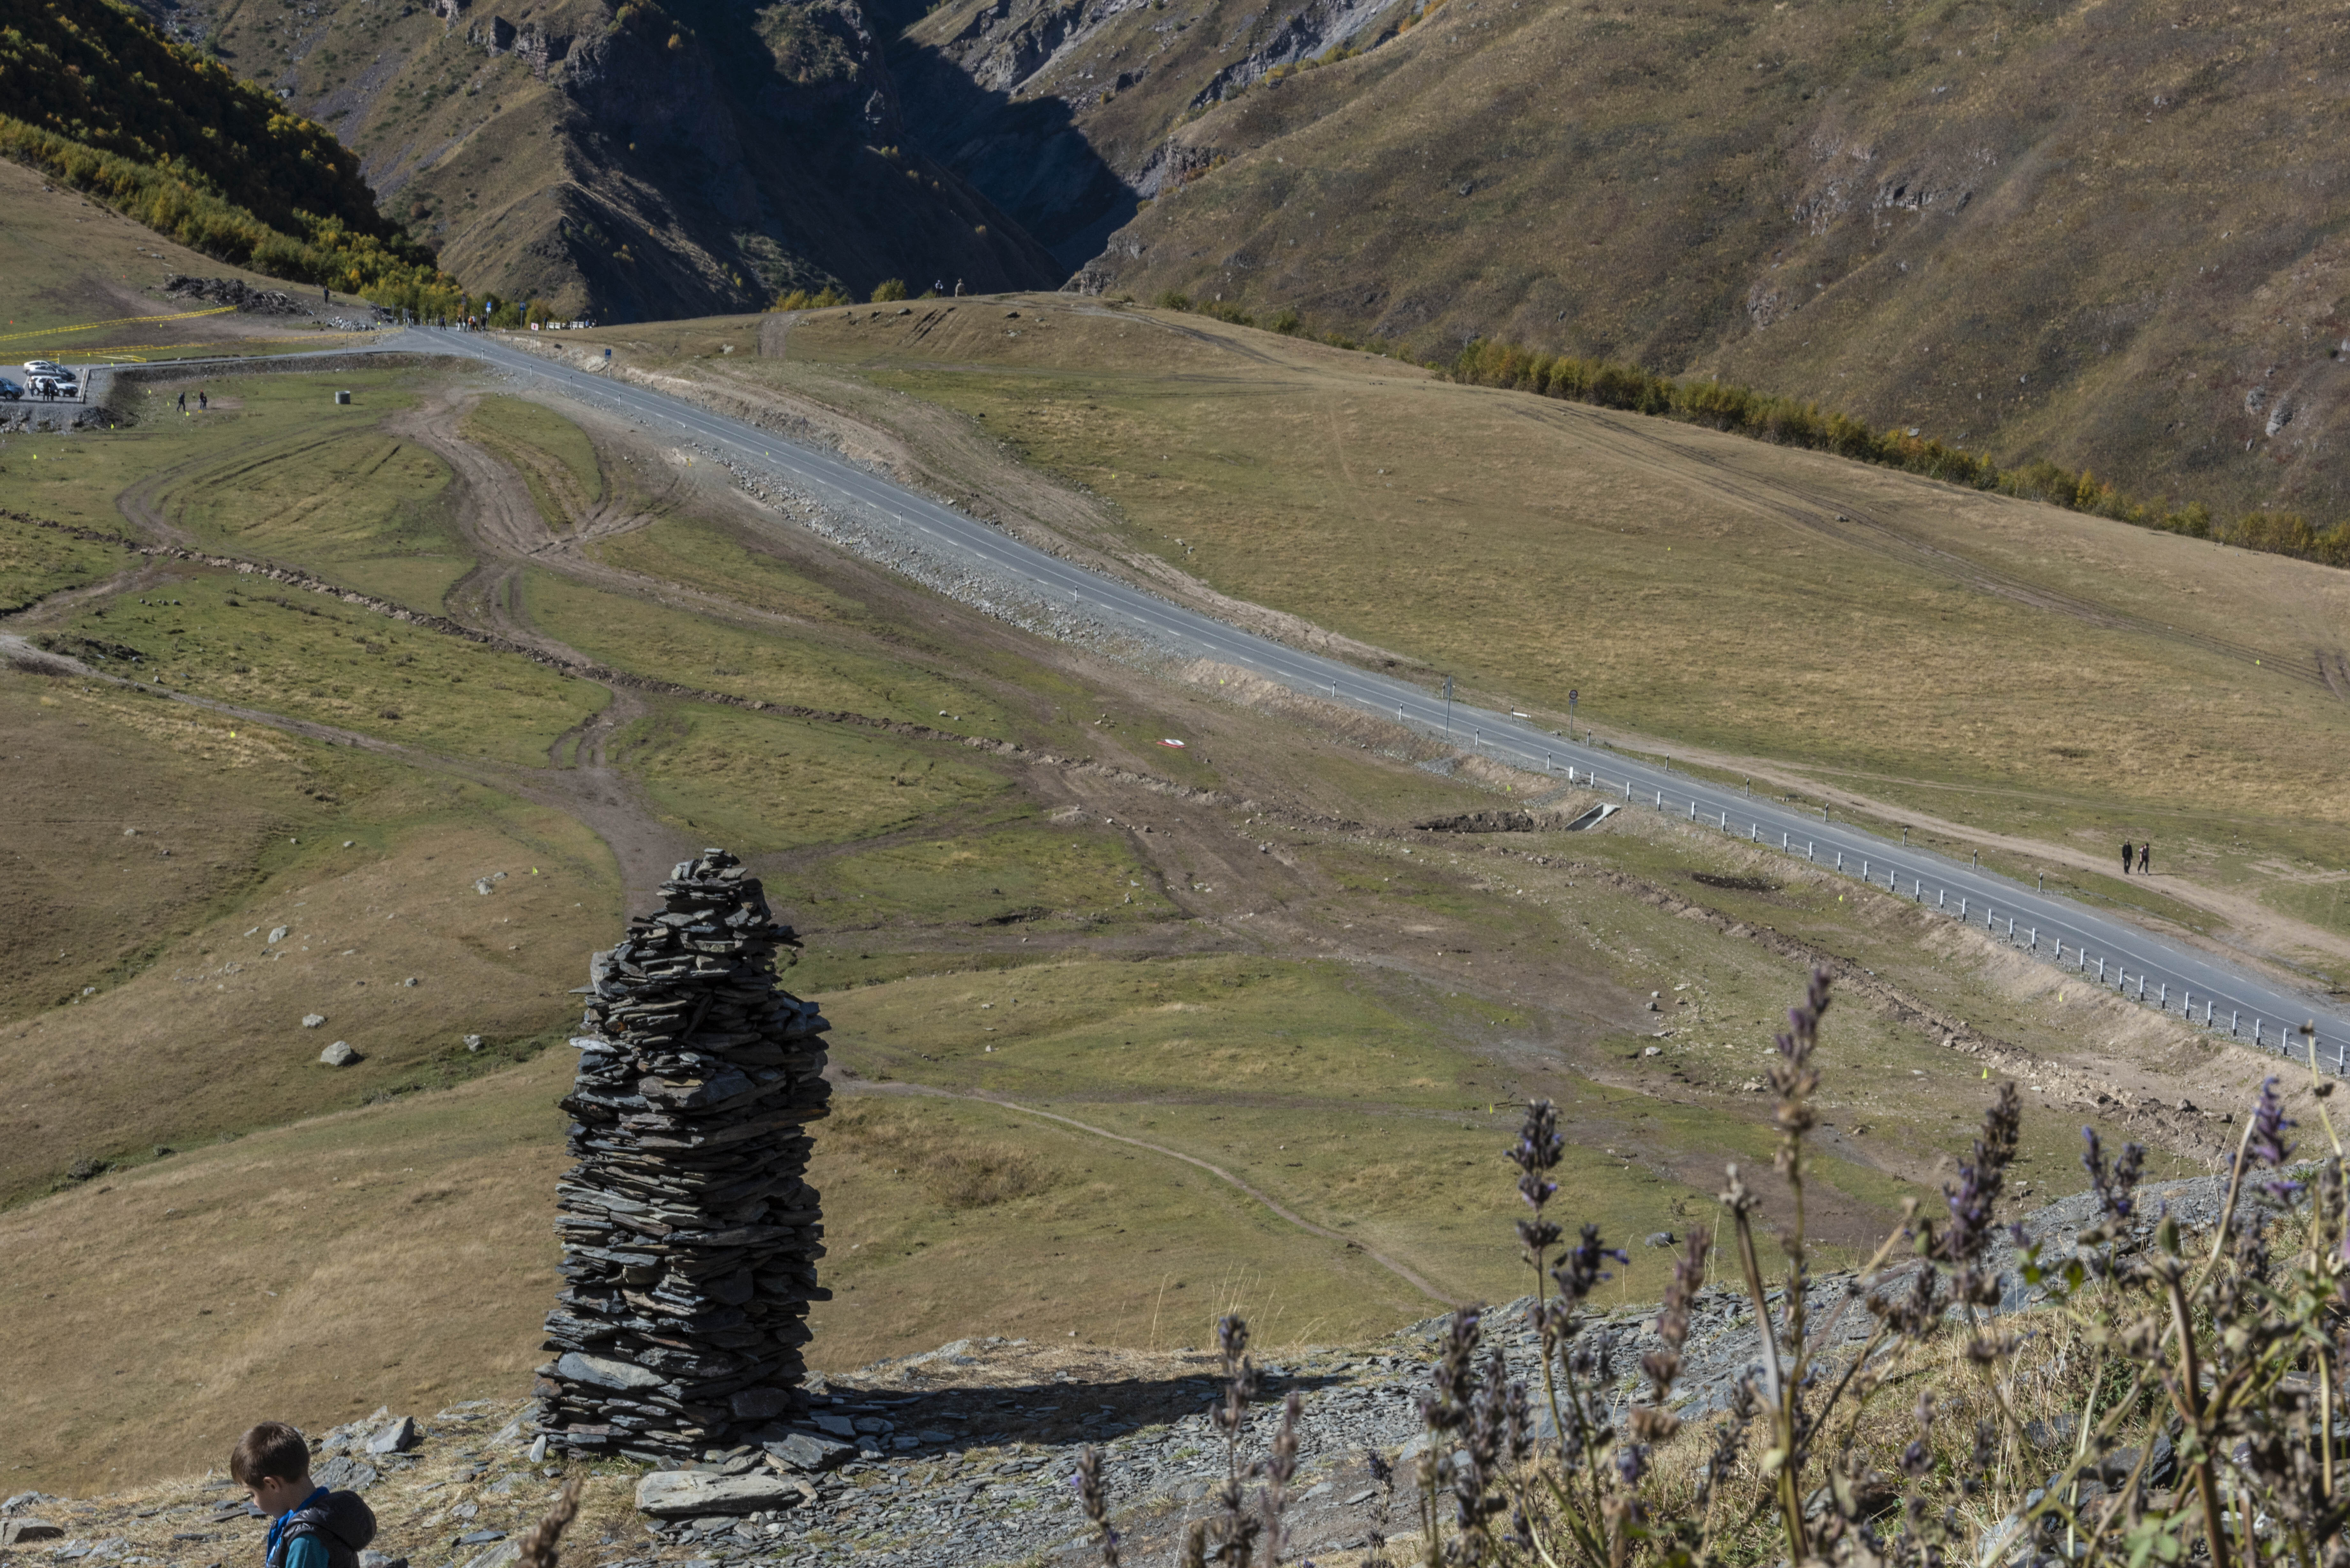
x: 1059, y: 110
x: 637, y: 159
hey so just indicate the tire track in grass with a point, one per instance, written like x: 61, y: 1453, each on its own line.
x: 1226, y: 1177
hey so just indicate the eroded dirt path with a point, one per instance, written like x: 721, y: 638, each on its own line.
x: 501, y: 522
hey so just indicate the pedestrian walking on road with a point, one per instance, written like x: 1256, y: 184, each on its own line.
x: 2145, y: 859
x: 2126, y: 848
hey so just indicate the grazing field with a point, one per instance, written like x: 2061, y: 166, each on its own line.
x: 229, y: 886
x: 553, y: 456
x: 37, y: 562
x: 1113, y: 1054
x: 765, y: 663
x: 234, y: 639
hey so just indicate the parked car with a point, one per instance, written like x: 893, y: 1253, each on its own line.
x: 9, y: 390
x: 46, y: 368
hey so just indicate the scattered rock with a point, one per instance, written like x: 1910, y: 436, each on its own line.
x: 807, y: 1452
x: 472, y: 1041
x: 343, y: 1473
x: 23, y: 1531
x: 378, y: 1559
x: 313, y: 1019
x: 339, y: 1054
x: 397, y: 1439
x: 233, y: 290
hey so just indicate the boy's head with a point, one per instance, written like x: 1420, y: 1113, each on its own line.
x: 271, y: 1462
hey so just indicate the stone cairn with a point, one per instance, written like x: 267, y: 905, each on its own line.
x: 690, y: 1239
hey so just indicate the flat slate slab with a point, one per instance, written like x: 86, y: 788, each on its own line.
x: 689, y: 1494
x: 808, y: 1452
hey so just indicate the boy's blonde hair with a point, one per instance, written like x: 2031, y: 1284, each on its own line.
x: 271, y: 1451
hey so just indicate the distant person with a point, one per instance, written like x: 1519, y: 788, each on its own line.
x: 2145, y: 859
x: 2125, y: 857
x: 310, y: 1527
x: 325, y: 295
x: 184, y: 402
x: 204, y: 402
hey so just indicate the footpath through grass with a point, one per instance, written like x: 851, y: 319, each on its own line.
x: 241, y: 640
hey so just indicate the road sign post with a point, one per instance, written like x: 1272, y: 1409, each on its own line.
x: 1448, y: 707
x: 1571, y: 697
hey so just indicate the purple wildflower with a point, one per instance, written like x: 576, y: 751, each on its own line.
x: 2268, y: 1145
x: 1535, y: 1155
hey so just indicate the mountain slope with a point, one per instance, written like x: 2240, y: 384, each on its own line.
x: 92, y: 95
x: 2101, y: 232
x: 632, y: 160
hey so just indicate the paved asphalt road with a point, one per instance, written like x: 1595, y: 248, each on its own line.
x: 2079, y: 940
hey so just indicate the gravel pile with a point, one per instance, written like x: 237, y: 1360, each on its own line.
x: 690, y: 1236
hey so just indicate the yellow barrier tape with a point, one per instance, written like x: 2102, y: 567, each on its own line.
x: 118, y: 321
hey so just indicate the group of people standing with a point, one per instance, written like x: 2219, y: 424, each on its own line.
x: 2145, y: 857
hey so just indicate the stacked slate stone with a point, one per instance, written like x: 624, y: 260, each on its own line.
x: 690, y: 1238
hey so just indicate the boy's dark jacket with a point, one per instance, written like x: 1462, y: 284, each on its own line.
x: 343, y: 1524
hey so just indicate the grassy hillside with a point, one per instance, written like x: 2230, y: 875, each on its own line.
x: 85, y: 282
x: 99, y: 100
x: 1090, y: 1030
x: 1759, y: 607
x: 2101, y: 235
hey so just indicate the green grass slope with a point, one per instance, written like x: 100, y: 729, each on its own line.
x: 83, y: 280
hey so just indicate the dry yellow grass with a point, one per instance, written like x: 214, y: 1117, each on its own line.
x: 195, y: 1026
x: 307, y: 1274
